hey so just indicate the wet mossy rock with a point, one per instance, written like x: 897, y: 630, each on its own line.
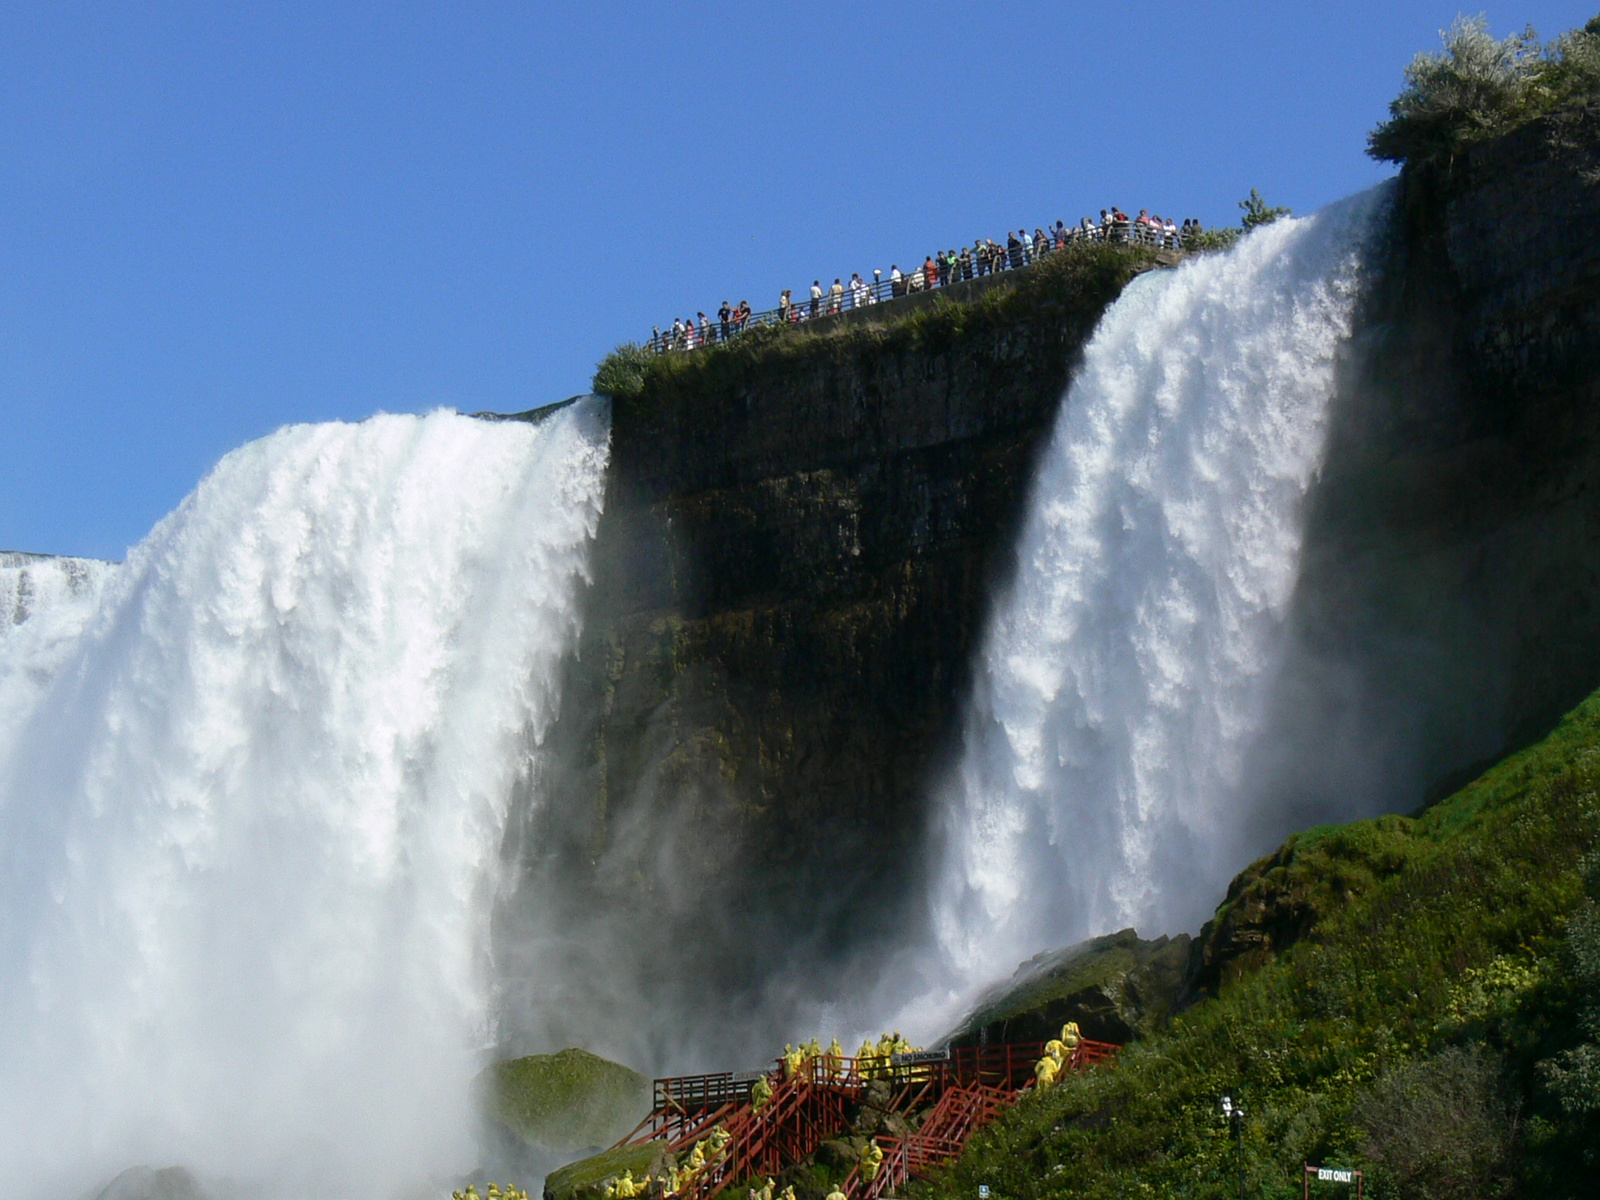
x: 586, y: 1179
x: 568, y: 1101
x: 1280, y: 899
x: 1117, y: 988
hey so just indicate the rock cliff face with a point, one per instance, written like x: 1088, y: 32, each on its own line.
x: 1448, y: 608
x: 792, y: 570
x: 801, y: 538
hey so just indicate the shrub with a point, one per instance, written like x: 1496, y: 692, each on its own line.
x: 1258, y: 212
x: 1573, y: 1076
x: 1479, y: 88
x: 1439, y: 1128
x: 621, y: 373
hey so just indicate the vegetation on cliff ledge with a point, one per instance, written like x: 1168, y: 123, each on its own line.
x: 1480, y: 88
x: 1075, y: 284
x: 1431, y: 1014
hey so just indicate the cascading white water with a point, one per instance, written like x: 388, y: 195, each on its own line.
x: 250, y: 815
x: 44, y: 604
x: 1127, y: 669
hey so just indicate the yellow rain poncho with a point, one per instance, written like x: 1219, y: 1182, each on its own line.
x: 871, y: 1161
x: 1070, y: 1035
x: 1045, y: 1072
x: 835, y: 1059
x: 760, y: 1095
x: 864, y: 1059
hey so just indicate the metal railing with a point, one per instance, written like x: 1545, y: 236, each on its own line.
x: 989, y: 259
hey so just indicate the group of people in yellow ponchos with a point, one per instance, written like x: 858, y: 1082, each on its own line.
x: 875, y: 1061
x: 1056, y: 1052
x: 494, y: 1192
x: 704, y: 1154
x: 764, y: 1192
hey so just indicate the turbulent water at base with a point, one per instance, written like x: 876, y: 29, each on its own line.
x: 1129, y: 665
x: 252, y: 793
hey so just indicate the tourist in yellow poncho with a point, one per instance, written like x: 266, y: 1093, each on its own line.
x: 624, y: 1188
x: 871, y: 1161
x: 835, y: 1059
x: 1070, y: 1035
x: 696, y: 1162
x: 864, y: 1059
x: 1045, y: 1072
x: 719, y: 1140
x: 792, y: 1058
x: 760, y: 1094
x: 787, y: 1193
x: 836, y: 1194
x: 764, y: 1192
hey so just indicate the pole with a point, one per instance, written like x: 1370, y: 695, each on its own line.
x: 1238, y: 1124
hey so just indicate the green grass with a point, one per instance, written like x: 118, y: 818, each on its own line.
x: 1439, y: 931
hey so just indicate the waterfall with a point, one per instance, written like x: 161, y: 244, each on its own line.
x: 1129, y: 664
x: 253, y: 784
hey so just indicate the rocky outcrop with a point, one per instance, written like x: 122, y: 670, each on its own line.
x: 1281, y: 899
x: 1448, y: 605
x: 565, y: 1102
x: 1117, y: 988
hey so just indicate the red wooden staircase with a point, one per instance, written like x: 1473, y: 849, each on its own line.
x: 969, y: 1087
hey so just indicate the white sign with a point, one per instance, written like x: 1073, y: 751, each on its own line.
x: 1335, y: 1175
x: 983, y: 1191
x: 919, y: 1056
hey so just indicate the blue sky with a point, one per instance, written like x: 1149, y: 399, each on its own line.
x: 219, y: 218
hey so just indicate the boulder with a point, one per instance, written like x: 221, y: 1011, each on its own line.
x: 1117, y: 988
x: 567, y: 1102
x: 586, y: 1179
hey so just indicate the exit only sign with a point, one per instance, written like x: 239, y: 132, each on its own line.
x: 1331, y: 1175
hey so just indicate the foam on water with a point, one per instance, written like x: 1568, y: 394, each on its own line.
x: 1127, y: 668
x: 252, y: 792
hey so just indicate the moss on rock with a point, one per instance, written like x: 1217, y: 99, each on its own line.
x: 568, y: 1101
x: 586, y: 1179
x: 1117, y: 988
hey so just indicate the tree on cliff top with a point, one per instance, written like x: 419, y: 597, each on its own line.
x: 1479, y: 88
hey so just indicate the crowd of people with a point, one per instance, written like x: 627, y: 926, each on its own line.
x: 940, y: 269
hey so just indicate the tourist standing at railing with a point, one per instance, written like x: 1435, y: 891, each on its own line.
x: 897, y: 281
x: 743, y: 314
x: 836, y: 296
x: 816, y: 296
x: 723, y: 314
x: 784, y: 305
x: 930, y: 272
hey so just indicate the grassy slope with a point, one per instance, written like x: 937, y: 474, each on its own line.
x: 1436, y: 931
